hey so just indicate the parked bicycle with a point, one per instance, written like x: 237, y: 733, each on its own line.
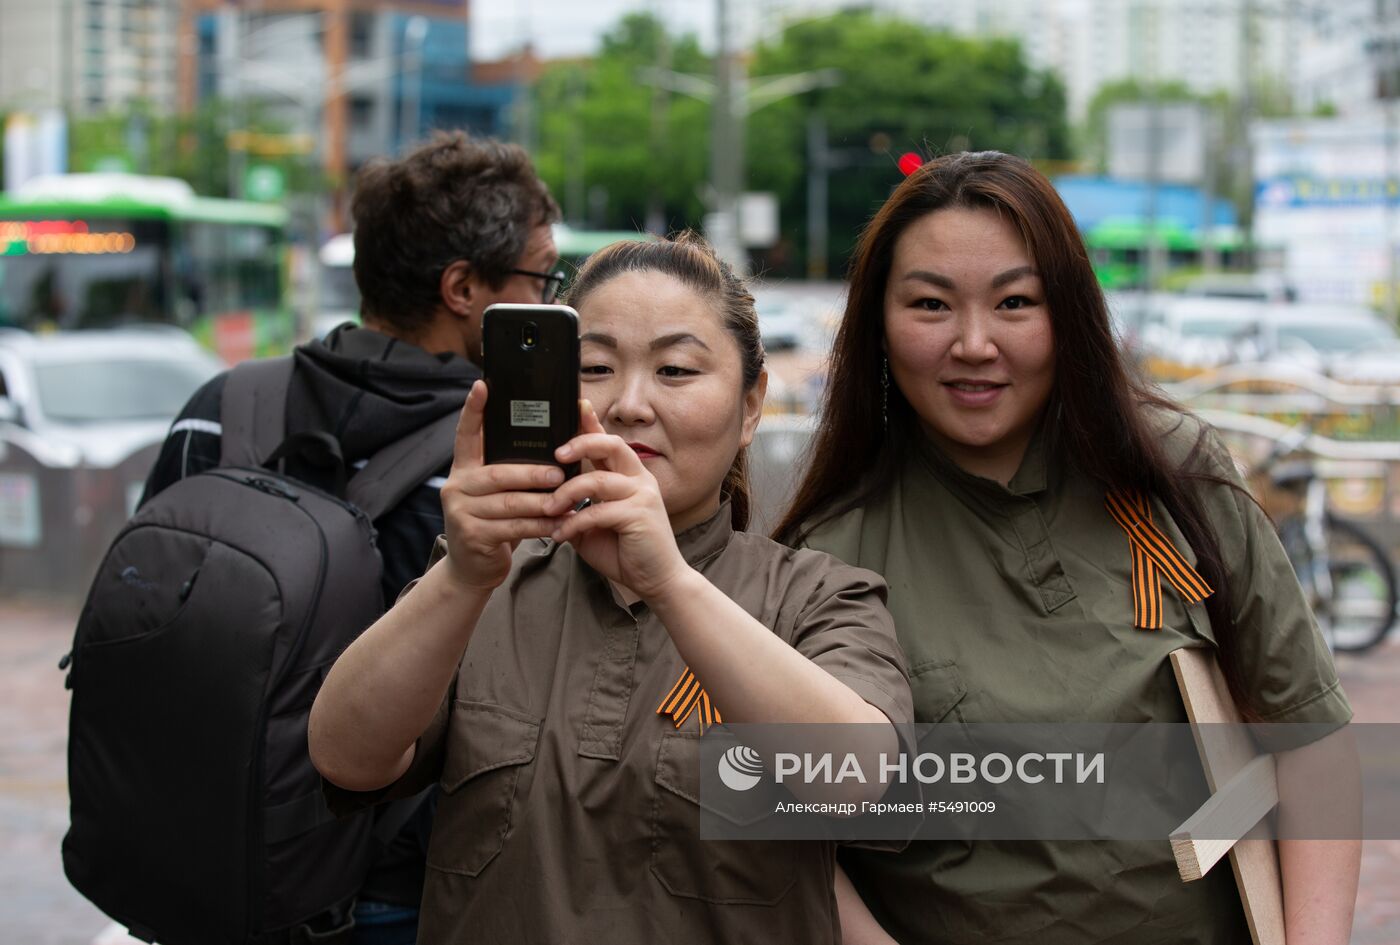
x: 1347, y: 574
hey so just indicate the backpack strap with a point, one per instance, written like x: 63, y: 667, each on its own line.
x: 402, y: 466
x: 253, y: 411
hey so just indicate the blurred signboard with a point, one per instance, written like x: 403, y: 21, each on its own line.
x: 1174, y: 134
x: 264, y: 182
x: 35, y: 145
x: 758, y: 219
x: 19, y: 511
x: 1324, y: 189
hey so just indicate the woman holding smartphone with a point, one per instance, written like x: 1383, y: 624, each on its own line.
x: 553, y: 670
x: 1050, y: 530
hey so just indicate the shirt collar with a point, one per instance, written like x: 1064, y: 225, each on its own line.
x: 1030, y: 477
x: 703, y: 541
x: 698, y: 544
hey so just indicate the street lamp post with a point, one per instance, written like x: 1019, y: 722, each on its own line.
x: 1385, y: 53
x: 733, y: 98
x: 410, y: 117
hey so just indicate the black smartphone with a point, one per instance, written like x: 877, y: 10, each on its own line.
x: 530, y: 355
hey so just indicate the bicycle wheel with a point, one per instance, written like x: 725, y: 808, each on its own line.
x: 1364, y: 592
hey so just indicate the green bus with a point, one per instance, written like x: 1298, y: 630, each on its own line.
x: 1118, y: 248
x: 103, y: 250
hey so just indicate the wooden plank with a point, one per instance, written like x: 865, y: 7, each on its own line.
x: 1224, y: 754
x: 1207, y: 835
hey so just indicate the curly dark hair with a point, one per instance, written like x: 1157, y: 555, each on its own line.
x: 453, y: 198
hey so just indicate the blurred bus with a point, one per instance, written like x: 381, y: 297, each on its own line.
x: 82, y: 251
x: 1118, y: 249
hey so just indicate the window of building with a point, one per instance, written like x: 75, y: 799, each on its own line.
x: 361, y: 35
x: 361, y: 112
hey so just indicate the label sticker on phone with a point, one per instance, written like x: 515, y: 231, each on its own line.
x: 529, y: 413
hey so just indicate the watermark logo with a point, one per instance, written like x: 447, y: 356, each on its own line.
x: 740, y: 767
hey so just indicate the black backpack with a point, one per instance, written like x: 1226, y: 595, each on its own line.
x: 197, y: 817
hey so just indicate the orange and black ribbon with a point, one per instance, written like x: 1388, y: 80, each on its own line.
x: 685, y: 698
x: 1153, y: 556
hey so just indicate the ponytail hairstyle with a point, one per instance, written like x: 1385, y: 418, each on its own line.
x: 688, y: 258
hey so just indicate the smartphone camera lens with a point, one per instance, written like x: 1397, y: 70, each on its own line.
x: 529, y: 335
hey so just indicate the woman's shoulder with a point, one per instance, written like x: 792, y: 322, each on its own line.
x: 802, y: 571
x: 1189, y: 442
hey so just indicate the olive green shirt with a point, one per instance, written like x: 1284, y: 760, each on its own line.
x: 569, y: 808
x: 1014, y: 604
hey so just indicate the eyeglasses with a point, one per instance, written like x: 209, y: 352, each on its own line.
x: 552, y: 282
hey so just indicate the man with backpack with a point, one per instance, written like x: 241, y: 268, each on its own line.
x: 365, y: 415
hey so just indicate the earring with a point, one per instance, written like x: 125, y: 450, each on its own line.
x: 885, y: 393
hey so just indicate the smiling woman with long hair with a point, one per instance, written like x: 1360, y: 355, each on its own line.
x: 554, y: 671
x: 984, y: 447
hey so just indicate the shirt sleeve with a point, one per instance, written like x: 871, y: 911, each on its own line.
x: 428, y: 751
x: 845, y: 628
x: 1286, y: 663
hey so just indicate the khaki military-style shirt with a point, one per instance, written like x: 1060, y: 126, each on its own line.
x: 569, y: 808
x: 1014, y: 604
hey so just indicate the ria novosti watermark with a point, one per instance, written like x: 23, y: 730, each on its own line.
x: 1117, y: 781
x: 740, y: 768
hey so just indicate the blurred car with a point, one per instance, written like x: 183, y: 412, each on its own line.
x: 82, y: 417
x: 1186, y: 333
x: 1181, y: 335
x: 1258, y: 286
x: 337, y: 295
x: 797, y: 321
x: 1328, y: 338
x: 1374, y: 364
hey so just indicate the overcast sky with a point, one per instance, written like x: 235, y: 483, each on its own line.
x: 572, y: 27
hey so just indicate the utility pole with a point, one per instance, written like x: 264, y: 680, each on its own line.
x: 1146, y: 23
x: 1246, y: 162
x: 732, y: 98
x: 1391, y: 59
x: 237, y: 158
x: 726, y: 146
x: 1210, y: 253
x: 818, y: 171
x: 524, y: 110
x: 337, y: 106
x: 415, y: 34
x: 660, y: 107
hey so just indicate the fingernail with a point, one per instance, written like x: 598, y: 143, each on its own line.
x: 588, y: 405
x: 564, y: 452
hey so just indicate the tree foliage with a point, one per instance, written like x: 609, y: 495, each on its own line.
x: 902, y: 87
x: 610, y: 146
x: 193, y: 147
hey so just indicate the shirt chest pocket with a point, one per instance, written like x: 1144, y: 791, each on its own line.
x: 937, y: 687
x: 489, y: 750
x: 749, y: 872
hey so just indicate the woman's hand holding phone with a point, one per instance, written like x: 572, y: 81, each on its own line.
x: 489, y: 509
x: 625, y: 534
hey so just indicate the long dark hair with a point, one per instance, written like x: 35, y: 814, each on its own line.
x: 690, y: 259
x: 1099, y: 408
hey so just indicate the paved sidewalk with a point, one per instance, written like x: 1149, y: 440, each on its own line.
x: 38, y: 907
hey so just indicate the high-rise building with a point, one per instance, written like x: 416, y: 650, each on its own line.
x: 363, y: 77
x: 88, y: 57
x: 1206, y: 44
x: 1350, y: 56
